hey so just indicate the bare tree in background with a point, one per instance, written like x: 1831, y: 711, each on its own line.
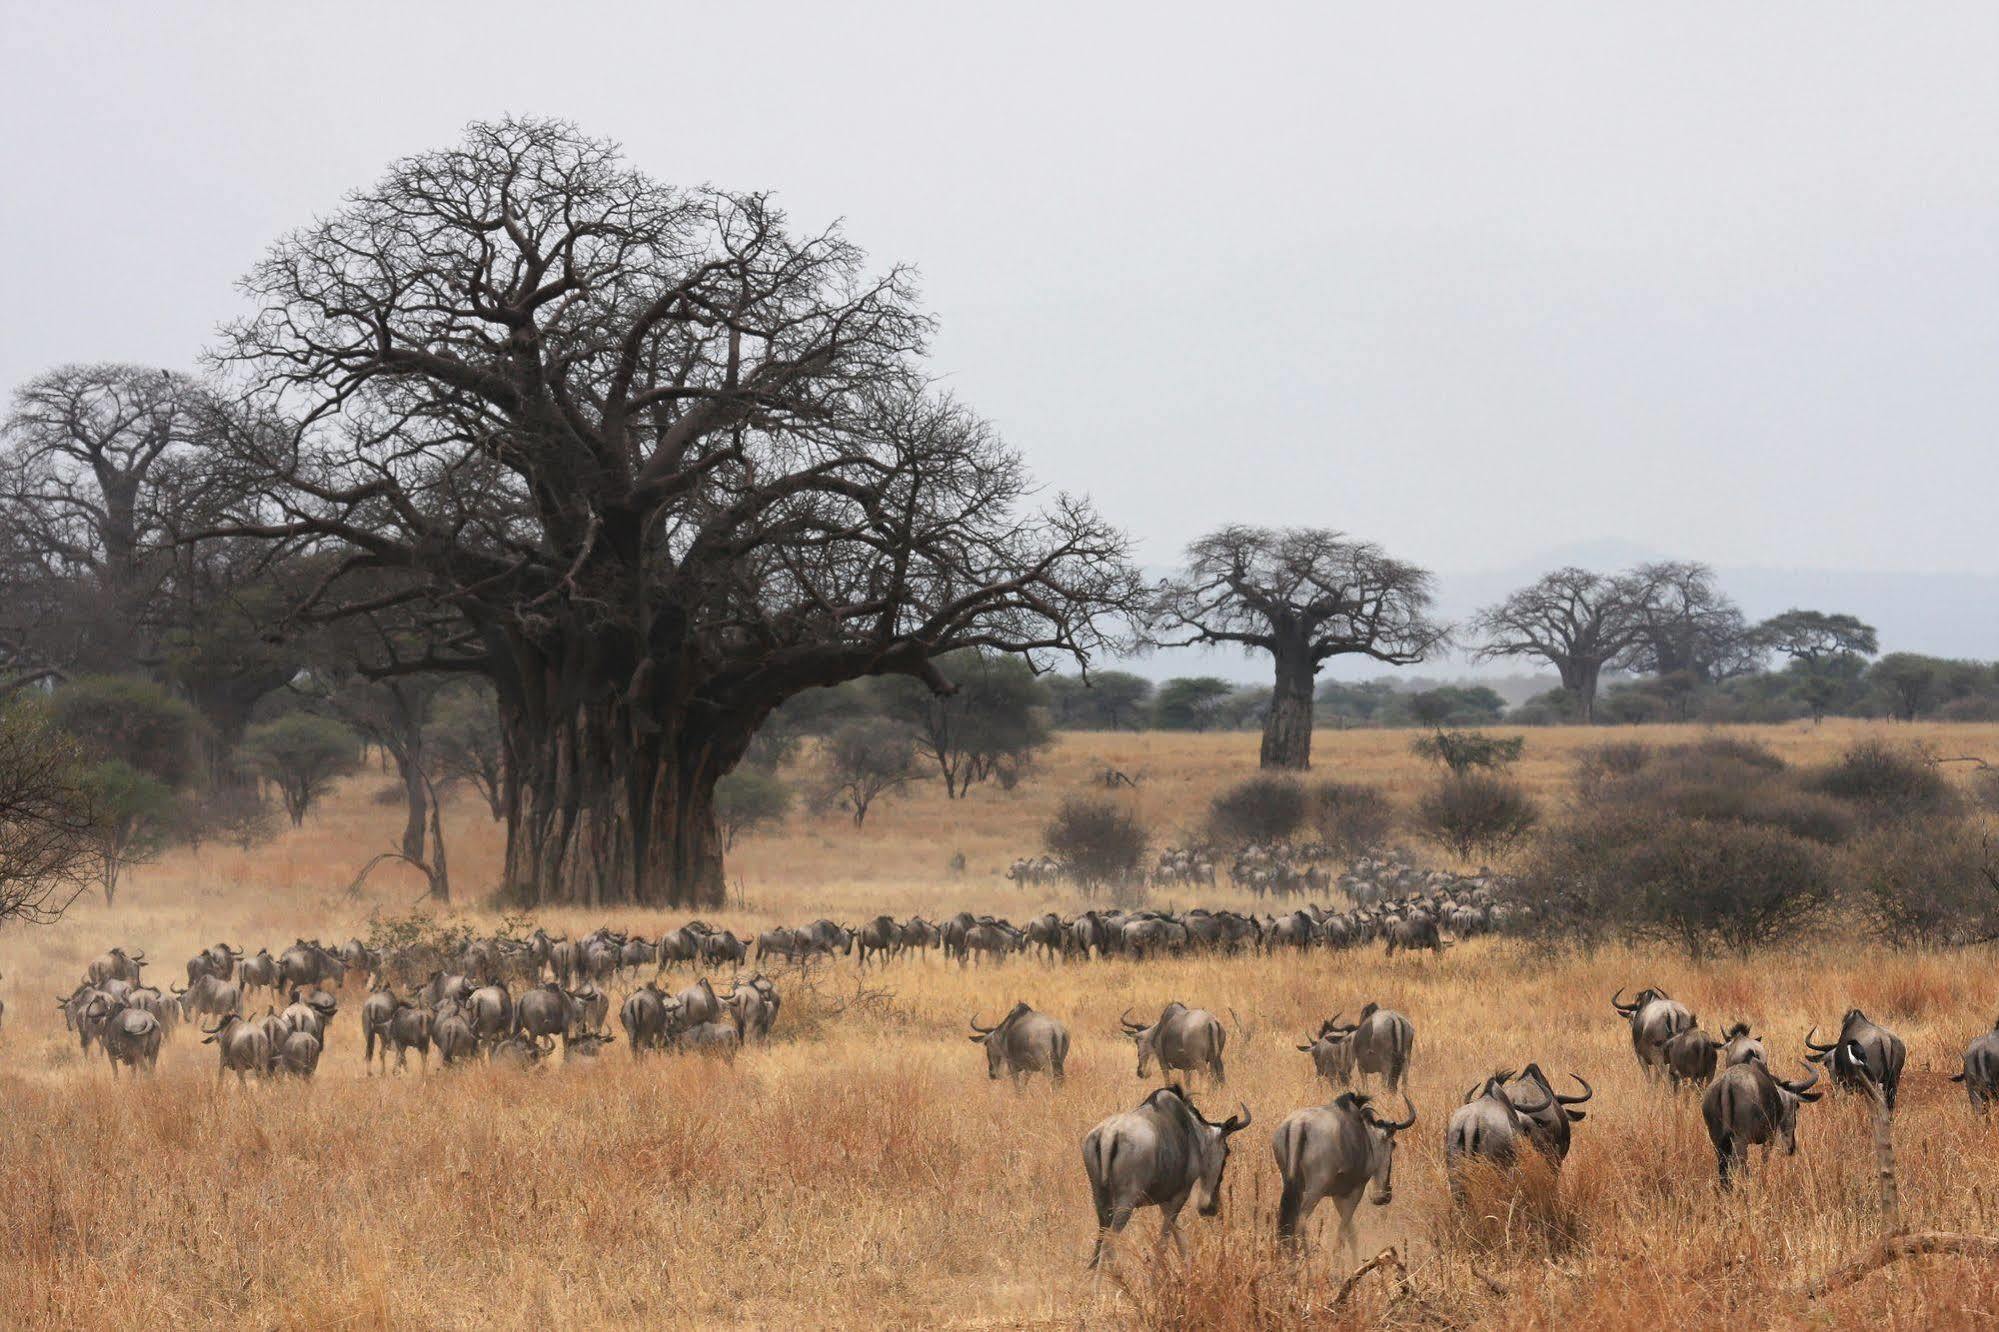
x: 1304, y: 595
x: 656, y: 462
x: 47, y: 823
x: 1577, y: 621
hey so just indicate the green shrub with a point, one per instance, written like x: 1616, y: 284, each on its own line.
x: 1474, y: 813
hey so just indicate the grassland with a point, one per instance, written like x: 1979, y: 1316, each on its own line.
x: 863, y: 1171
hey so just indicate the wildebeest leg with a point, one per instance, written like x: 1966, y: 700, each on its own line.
x: 1169, y: 1227
x: 1349, y: 1233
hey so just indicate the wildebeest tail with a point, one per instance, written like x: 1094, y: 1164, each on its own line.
x: 1293, y: 1195
x: 1105, y: 1145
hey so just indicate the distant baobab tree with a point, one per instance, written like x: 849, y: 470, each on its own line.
x: 1305, y: 596
x: 1577, y: 621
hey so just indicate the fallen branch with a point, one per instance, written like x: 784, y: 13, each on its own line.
x: 1386, y: 1258
x: 1893, y: 1248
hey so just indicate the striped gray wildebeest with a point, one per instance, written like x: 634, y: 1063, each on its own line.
x: 377, y: 1010
x: 1866, y: 1052
x: 1379, y: 1044
x: 990, y: 939
x: 299, y: 1055
x: 1047, y: 933
x: 240, y: 1046
x: 489, y: 1012
x: 783, y: 941
x: 408, y: 1028
x: 1490, y: 1126
x: 880, y: 938
x: 1749, y: 1106
x: 1156, y: 1156
x: 918, y: 935
x: 210, y: 997
x: 1981, y: 1070
x: 1739, y: 1046
x: 1182, y: 1038
x: 719, y: 946
x: 1021, y: 1043
x: 1690, y: 1057
x: 115, y: 964
x: 1334, y: 1151
x: 129, y: 1036
x: 755, y: 1004
x: 1418, y: 929
x: 1551, y: 1116
x: 218, y: 960
x: 718, y: 1036
x: 591, y: 1009
x: 545, y: 1012
x: 518, y: 1052
x: 259, y: 971
x: 826, y: 937
x: 309, y: 962
x: 1655, y: 1017
x: 359, y: 959
x: 699, y: 1003
x: 148, y: 998
x: 649, y: 1017
x: 442, y: 986
x: 681, y: 945
x: 454, y: 1038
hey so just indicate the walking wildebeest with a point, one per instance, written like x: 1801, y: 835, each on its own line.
x: 377, y: 1010
x: 239, y: 1045
x: 1656, y: 1017
x: 1155, y: 1156
x: 1334, y: 1151
x: 1748, y: 1105
x: 116, y: 964
x: 1865, y: 1052
x: 880, y: 938
x: 1981, y: 1070
x: 755, y: 1004
x: 299, y: 1055
x: 1552, y: 1123
x: 1023, y: 1042
x: 1183, y: 1038
x: 408, y: 1029
x: 1489, y: 1126
x: 130, y: 1036
x: 1690, y: 1057
x: 647, y: 1017
x: 1379, y: 1044
x: 1738, y: 1046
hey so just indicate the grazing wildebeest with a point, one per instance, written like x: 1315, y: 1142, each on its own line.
x: 376, y: 1012
x: 130, y: 1036
x: 1155, y: 1156
x: 755, y: 1003
x: 239, y: 1045
x: 646, y: 1018
x: 547, y: 1010
x: 115, y: 964
x: 518, y: 1052
x: 1690, y: 1057
x: 1046, y: 933
x: 1748, y: 1105
x: 782, y: 941
x: 1738, y: 1046
x: 1552, y: 1124
x: 1866, y: 1052
x: 1656, y: 1017
x: 489, y: 1011
x: 1489, y: 1126
x: 408, y: 1029
x: 1182, y: 1038
x: 585, y: 1045
x: 720, y: 1036
x: 1981, y: 1070
x: 1379, y: 1044
x: 210, y: 996
x: 299, y: 1055
x: 1334, y: 1151
x: 880, y: 938
x: 1023, y: 1042
x: 699, y: 1003
x: 991, y: 939
x: 952, y: 935
x: 1416, y: 930
x: 590, y: 1008
x: 78, y: 1015
x: 359, y: 959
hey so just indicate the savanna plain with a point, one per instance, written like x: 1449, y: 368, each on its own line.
x: 862, y: 1170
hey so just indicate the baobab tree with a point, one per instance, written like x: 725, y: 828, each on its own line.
x: 652, y: 462
x: 1305, y: 596
x: 1577, y: 621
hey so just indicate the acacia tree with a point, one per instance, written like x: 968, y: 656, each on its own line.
x: 1304, y: 595
x: 1577, y: 621
x: 1825, y: 649
x: 653, y: 461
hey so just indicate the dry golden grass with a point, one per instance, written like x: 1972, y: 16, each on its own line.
x: 862, y: 1171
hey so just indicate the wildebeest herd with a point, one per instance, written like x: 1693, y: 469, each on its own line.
x: 511, y: 1000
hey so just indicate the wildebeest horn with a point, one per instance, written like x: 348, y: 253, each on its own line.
x: 1822, y: 1049
x: 1307, y: 1047
x: 1237, y: 1123
x: 983, y: 1031
x: 1588, y: 1091
x: 1124, y: 1020
x: 1800, y: 1088
x: 1396, y: 1126
x: 1624, y: 1008
x: 177, y: 989
x: 1547, y: 1099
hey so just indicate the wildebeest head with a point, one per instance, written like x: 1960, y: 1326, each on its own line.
x: 994, y: 1038
x: 1211, y: 1149
x: 1144, y: 1037
x: 1381, y: 1141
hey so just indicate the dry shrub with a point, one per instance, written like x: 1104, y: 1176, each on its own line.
x: 1613, y: 761
x: 1261, y: 809
x: 1099, y: 840
x: 1518, y: 1211
x: 1472, y: 814
x: 1931, y: 881
x: 1886, y: 781
x: 1351, y: 818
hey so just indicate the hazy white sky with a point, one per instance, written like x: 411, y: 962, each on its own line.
x: 1477, y: 281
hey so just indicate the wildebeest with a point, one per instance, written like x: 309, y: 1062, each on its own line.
x: 991, y: 939
x: 489, y: 1011
x: 1489, y: 1126
x: 376, y: 1012
x: 590, y: 1008
x: 81, y: 1014
x: 1156, y: 1156
x: 721, y: 1036
x: 1656, y: 1017
x: 308, y: 963
x: 585, y: 1045
x: 880, y: 938
x: 260, y: 971
x: 239, y: 1045
x: 723, y: 946
x: 299, y: 1055
x: 1023, y: 1042
x: 1417, y: 930
x: 1379, y: 1044
x: 1981, y: 1070
x: 1552, y: 1122
x: 547, y: 1010
x: 919, y: 935
x: 699, y: 1003
x: 1182, y: 1038
x: 1865, y: 1052
x: 1748, y: 1105
x: 210, y: 996
x: 1738, y: 1046
x: 1334, y: 1151
x: 646, y: 1016
x: 115, y: 964
x: 130, y: 1036
x: 783, y: 941
x: 408, y: 1029
x: 755, y: 1003
x: 1690, y: 1057
x: 454, y: 1038
x: 518, y: 1052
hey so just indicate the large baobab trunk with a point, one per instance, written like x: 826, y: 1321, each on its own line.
x: 1287, y: 732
